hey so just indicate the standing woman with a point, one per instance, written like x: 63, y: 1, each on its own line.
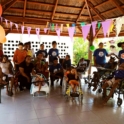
x: 19, y: 56
x: 121, y: 53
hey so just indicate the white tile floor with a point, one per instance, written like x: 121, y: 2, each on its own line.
x: 25, y: 109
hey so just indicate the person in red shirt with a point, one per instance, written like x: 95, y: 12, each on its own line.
x: 1, y: 52
x: 19, y: 56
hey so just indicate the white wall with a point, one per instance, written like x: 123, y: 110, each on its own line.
x: 65, y: 45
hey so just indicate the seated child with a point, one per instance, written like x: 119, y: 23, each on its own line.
x: 38, y: 81
x: 82, y: 65
x: 66, y: 62
x: 114, y: 82
x: 72, y: 79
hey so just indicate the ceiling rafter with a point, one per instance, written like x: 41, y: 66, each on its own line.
x: 54, y: 10
x: 118, y: 6
x: 98, y: 5
x: 9, y: 5
x: 98, y: 14
x: 91, y: 18
x: 6, y: 2
x: 24, y: 10
x: 80, y: 12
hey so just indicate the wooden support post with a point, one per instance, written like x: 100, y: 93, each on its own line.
x: 90, y: 52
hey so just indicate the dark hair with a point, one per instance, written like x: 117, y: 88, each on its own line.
x: 120, y: 44
x: 20, y: 44
x: 100, y: 43
x: 112, y: 46
x: 41, y: 44
x: 54, y: 42
x: 4, y: 56
x: 68, y: 56
x: 38, y: 53
x: 27, y: 56
x: 55, y: 59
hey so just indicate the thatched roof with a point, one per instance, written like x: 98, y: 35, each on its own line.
x: 36, y: 13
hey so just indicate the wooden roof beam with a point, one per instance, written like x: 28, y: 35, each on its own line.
x: 92, y: 7
x: 25, y: 3
x: 118, y: 6
x: 98, y: 5
x: 89, y: 11
x: 54, y: 10
x: 80, y: 13
x: 6, y: 2
x: 9, y: 5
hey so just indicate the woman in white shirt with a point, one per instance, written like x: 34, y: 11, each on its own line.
x: 6, y: 68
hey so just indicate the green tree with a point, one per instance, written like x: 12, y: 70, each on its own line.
x: 80, y: 49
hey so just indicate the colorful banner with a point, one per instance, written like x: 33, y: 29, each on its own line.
x: 94, y: 27
x: 16, y: 25
x: 67, y: 25
x: 58, y: 33
x: 38, y: 32
x: 22, y: 29
x: 11, y: 23
x: 82, y: 24
x: 71, y: 31
x: 6, y: 22
x: 45, y: 30
x: 85, y: 31
x: 29, y: 30
x: 99, y: 25
x: 105, y: 25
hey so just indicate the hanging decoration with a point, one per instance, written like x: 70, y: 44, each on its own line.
x: 94, y: 27
x: 67, y: 25
x: 52, y: 26
x: 29, y: 30
x: 38, y: 32
x: 11, y: 23
x: 45, y: 30
x: 92, y: 48
x: 82, y: 23
x: 61, y: 28
x: 22, y: 29
x: 58, y: 32
x: 6, y: 22
x: 105, y: 25
x: 2, y: 33
x: 71, y: 32
x: 16, y: 25
x: 85, y: 31
x: 56, y: 27
x: 1, y: 10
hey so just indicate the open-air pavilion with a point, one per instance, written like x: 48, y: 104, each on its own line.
x: 22, y: 108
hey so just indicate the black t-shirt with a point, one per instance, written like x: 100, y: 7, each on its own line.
x: 27, y: 69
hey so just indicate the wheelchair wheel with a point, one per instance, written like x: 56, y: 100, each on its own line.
x: 119, y: 102
x: 99, y: 90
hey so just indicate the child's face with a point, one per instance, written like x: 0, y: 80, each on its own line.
x: 73, y: 71
x: 67, y: 58
x: 54, y: 45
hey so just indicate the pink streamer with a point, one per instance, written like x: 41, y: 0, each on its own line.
x: 22, y: 28
x: 29, y: 30
x: 11, y: 23
x: 38, y: 32
x: 45, y: 30
x: 94, y: 27
x: 16, y: 26
x: 105, y: 25
x: 58, y: 32
x: 6, y: 22
x: 85, y: 30
x: 71, y: 31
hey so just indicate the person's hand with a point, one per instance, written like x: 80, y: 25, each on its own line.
x: 28, y: 79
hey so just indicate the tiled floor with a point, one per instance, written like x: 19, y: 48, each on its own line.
x: 25, y: 109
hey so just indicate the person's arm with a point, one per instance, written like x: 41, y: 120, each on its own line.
x: 94, y: 57
x: 33, y: 72
x: 23, y: 73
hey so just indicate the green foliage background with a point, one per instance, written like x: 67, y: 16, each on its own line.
x: 80, y: 47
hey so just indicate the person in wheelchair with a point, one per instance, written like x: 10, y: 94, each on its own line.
x: 41, y: 66
x: 6, y: 68
x: 113, y: 83
x: 56, y: 72
x: 82, y: 65
x: 108, y: 67
x: 66, y: 62
x: 72, y: 79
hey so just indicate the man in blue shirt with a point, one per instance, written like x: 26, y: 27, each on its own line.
x: 121, y: 53
x: 56, y: 71
x: 100, y: 56
x: 53, y: 52
x: 42, y: 51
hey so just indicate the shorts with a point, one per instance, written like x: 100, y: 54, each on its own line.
x: 111, y: 82
x: 74, y: 82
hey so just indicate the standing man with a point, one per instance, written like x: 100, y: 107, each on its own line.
x: 53, y: 52
x: 100, y: 56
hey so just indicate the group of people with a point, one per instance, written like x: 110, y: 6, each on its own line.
x: 100, y: 61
